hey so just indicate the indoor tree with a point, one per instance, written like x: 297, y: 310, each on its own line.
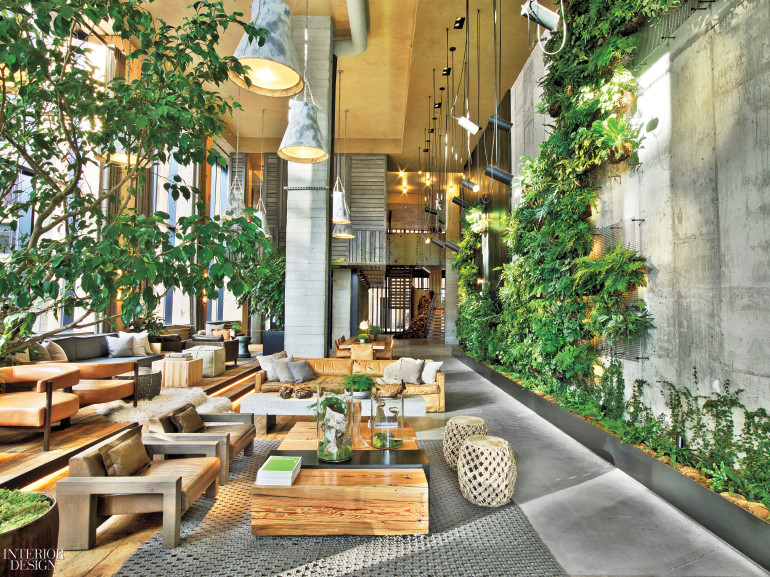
x: 267, y: 286
x: 62, y: 122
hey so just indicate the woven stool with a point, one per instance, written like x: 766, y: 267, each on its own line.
x: 486, y: 471
x: 457, y: 430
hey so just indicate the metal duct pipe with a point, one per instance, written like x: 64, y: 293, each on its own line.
x: 358, y: 31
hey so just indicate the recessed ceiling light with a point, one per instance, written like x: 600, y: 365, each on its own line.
x: 459, y: 22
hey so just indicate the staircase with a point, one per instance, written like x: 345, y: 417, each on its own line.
x: 436, y: 323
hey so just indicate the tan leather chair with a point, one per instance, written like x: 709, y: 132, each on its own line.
x: 36, y: 409
x: 362, y: 352
x: 88, y: 497
x: 236, y: 432
x: 387, y: 353
x: 341, y: 353
x: 96, y: 385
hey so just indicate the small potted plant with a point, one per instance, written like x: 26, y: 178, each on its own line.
x: 375, y: 331
x: 28, y: 521
x: 363, y: 338
x: 360, y: 384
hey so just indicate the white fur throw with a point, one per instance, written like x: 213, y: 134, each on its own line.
x: 121, y: 412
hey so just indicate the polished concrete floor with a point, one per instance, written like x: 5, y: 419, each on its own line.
x: 595, y: 519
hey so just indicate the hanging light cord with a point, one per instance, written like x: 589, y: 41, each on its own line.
x: 304, y: 74
x: 339, y: 123
x: 261, y: 160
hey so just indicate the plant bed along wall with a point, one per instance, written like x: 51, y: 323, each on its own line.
x: 744, y: 531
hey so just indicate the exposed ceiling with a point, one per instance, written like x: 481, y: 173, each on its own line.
x: 386, y: 89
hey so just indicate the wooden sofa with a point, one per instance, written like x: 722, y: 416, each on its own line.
x: 334, y: 371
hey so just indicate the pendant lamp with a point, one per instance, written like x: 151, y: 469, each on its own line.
x: 499, y: 174
x: 303, y: 142
x: 451, y: 246
x: 340, y: 211
x: 438, y: 242
x: 274, y: 68
x: 343, y: 231
x: 470, y: 185
x: 261, y: 213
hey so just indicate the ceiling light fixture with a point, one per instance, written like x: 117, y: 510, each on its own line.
x: 451, y: 246
x: 343, y: 231
x: 470, y: 185
x: 500, y: 123
x: 459, y: 22
x: 460, y: 202
x: 261, y: 213
x: 499, y: 175
x: 303, y: 142
x: 340, y: 210
x: 274, y: 68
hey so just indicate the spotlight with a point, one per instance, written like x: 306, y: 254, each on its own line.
x: 427, y: 239
x: 425, y: 150
x: 503, y: 125
x: 425, y: 269
x: 539, y: 15
x: 459, y: 202
x: 437, y: 105
x: 441, y: 220
x: 451, y: 246
x: 499, y: 175
x: 479, y: 280
x: 401, y: 173
x: 466, y: 123
x: 459, y: 22
x: 431, y: 210
x: 438, y: 242
x: 446, y: 71
x: 470, y: 185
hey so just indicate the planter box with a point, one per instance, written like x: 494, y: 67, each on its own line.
x: 747, y: 533
x: 272, y: 342
x: 39, y: 534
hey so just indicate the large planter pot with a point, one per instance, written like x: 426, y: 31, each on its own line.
x: 272, y: 342
x: 243, y: 347
x: 30, y: 550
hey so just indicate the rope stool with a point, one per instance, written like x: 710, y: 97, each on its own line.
x: 457, y: 430
x: 486, y: 471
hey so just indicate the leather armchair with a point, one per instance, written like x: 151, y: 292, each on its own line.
x: 42, y: 403
x: 88, y: 497
x: 96, y: 385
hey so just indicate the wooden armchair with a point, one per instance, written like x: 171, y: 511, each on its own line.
x: 235, y: 432
x: 341, y: 353
x: 88, y: 497
x: 362, y: 352
x: 35, y: 401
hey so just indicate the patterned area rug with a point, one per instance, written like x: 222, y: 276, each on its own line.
x: 464, y: 539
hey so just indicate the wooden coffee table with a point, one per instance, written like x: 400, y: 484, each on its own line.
x: 344, y: 500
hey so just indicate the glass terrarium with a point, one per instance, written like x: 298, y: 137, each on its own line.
x: 334, y: 425
x: 387, y: 422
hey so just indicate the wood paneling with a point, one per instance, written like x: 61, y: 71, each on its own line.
x: 274, y: 196
x: 368, y: 247
x: 367, y: 190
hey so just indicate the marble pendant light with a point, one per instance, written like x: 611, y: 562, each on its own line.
x: 274, y: 68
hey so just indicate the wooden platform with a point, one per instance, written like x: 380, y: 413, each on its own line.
x: 23, y: 461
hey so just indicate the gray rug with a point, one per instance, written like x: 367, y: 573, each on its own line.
x: 464, y: 539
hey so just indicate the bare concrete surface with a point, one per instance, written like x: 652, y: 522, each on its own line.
x: 596, y: 520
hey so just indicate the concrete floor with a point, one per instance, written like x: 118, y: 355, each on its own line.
x: 595, y: 519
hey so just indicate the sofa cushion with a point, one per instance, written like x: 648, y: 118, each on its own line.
x: 57, y: 353
x: 412, y: 389
x: 301, y: 372
x: 267, y: 363
x: 376, y: 367
x: 90, y: 463
x: 163, y: 423
x: 337, y: 382
x: 90, y: 346
x: 67, y: 344
x: 141, y: 343
x: 282, y: 371
x: 104, y: 450
x: 241, y: 434
x: 143, y: 361
x: 330, y: 367
x: 410, y: 370
x: 120, y: 346
x: 210, y: 327
x: 188, y: 421
x: 197, y: 474
x: 96, y: 392
x: 390, y: 374
x: 429, y: 371
x: 27, y: 409
x: 128, y: 458
x: 39, y: 354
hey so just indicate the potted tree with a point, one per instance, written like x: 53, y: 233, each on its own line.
x: 28, y: 521
x: 266, y: 296
x: 360, y: 384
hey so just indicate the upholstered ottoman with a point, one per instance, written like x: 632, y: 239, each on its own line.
x: 457, y: 430
x: 213, y: 359
x: 486, y: 471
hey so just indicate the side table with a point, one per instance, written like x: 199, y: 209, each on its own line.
x: 150, y: 382
x: 180, y: 373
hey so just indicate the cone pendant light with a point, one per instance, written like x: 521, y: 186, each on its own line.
x: 343, y: 231
x: 261, y: 213
x: 303, y: 142
x: 274, y: 68
x: 340, y: 211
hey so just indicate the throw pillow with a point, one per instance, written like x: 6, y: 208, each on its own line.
x: 128, y: 458
x: 301, y: 372
x: 56, y: 352
x: 120, y: 346
x: 105, y: 449
x: 210, y: 327
x: 21, y: 356
x: 410, y: 371
x: 188, y: 421
x: 140, y: 345
x: 38, y: 353
x: 223, y: 332
x: 281, y: 367
x: 390, y: 374
x: 429, y: 372
x: 266, y: 363
x: 281, y: 355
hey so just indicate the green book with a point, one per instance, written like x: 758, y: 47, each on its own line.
x: 281, y: 464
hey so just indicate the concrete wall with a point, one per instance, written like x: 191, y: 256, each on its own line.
x: 703, y: 190
x: 341, y: 301
x: 307, y: 220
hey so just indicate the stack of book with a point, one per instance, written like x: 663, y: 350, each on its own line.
x: 179, y: 356
x: 279, y: 470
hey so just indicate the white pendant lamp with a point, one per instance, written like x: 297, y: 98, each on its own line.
x: 261, y: 213
x: 303, y: 142
x: 274, y: 68
x: 343, y: 231
x: 236, y: 197
x: 340, y: 211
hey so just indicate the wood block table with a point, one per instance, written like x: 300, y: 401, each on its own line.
x: 376, y: 493
x: 180, y: 373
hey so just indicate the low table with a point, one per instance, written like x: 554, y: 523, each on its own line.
x: 180, y: 373
x: 150, y: 382
x: 375, y: 493
x: 271, y: 404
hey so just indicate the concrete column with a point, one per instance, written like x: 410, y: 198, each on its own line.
x: 307, y: 219
x: 341, y: 302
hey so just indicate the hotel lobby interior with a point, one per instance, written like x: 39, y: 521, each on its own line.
x: 384, y: 288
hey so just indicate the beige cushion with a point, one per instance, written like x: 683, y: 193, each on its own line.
x: 267, y: 363
x: 429, y: 371
x: 390, y: 375
x: 128, y: 458
x: 412, y: 389
x: 140, y: 345
x: 57, y: 353
x: 224, y: 333
x: 188, y: 421
x: 39, y: 354
x: 241, y: 434
x: 282, y: 372
x: 27, y: 409
x: 105, y: 449
x: 410, y: 370
x: 213, y: 359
